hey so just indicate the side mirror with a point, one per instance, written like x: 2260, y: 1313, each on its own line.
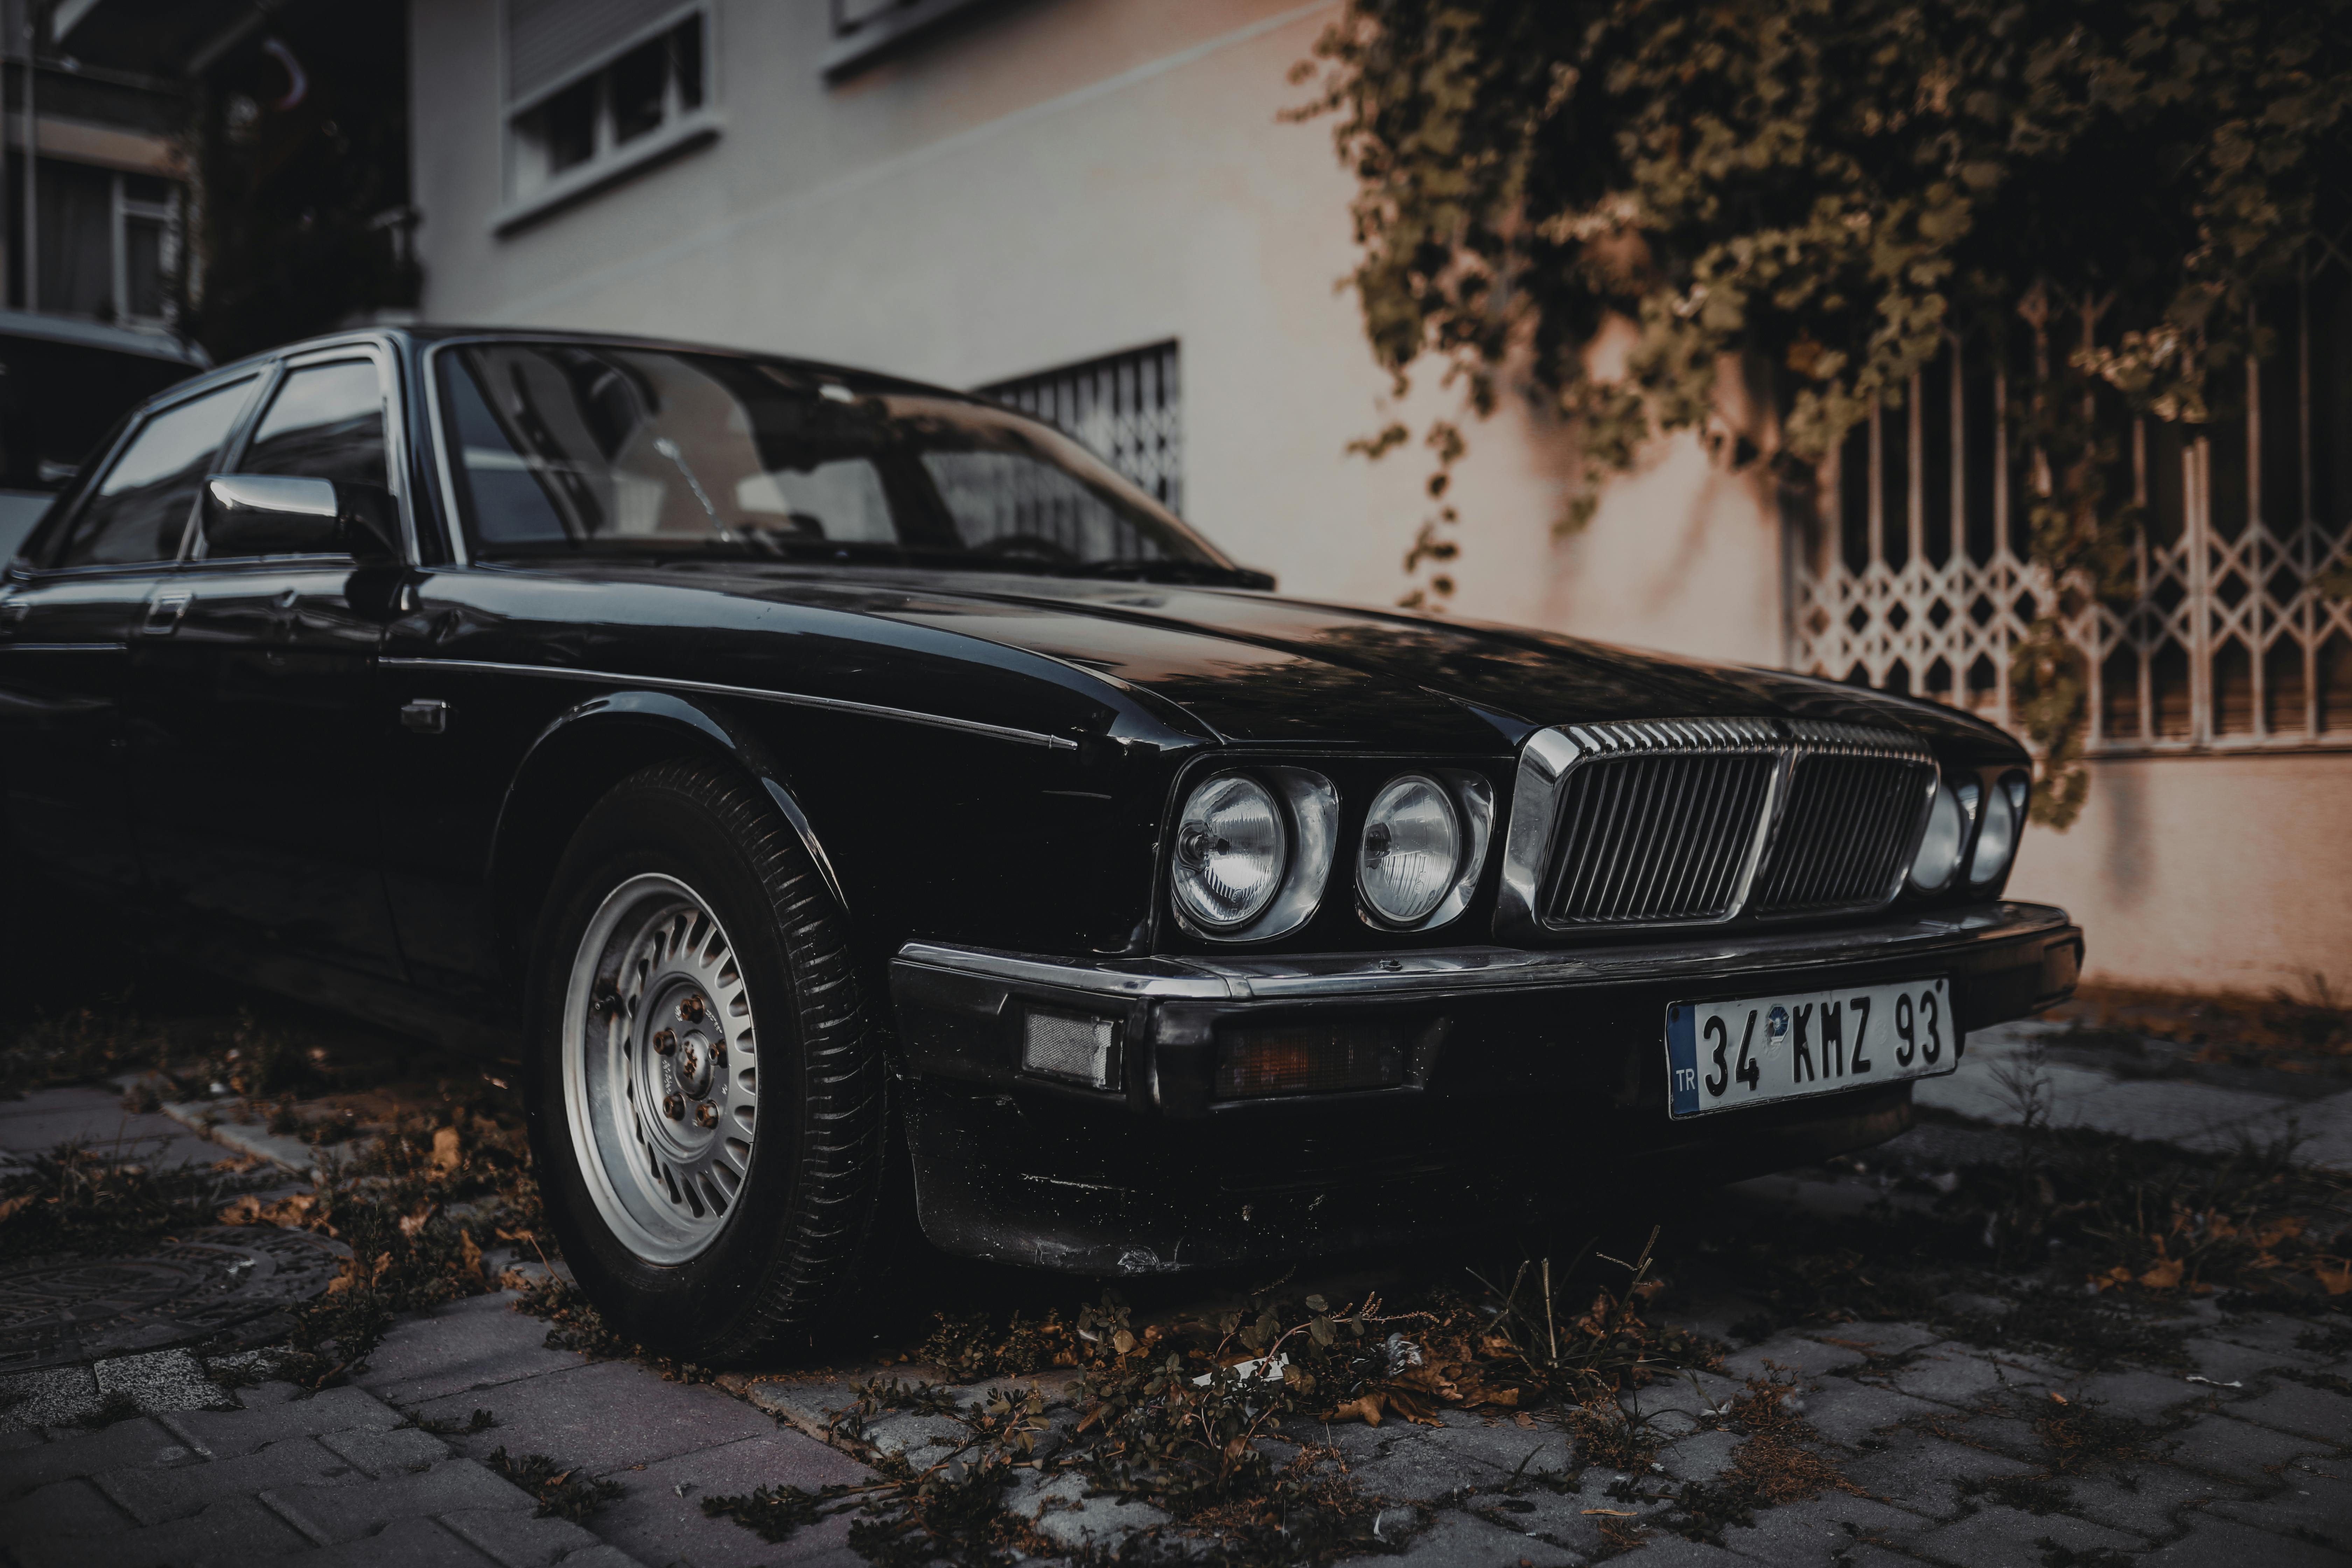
x: 277, y: 514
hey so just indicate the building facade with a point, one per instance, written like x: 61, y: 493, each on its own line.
x: 1095, y: 209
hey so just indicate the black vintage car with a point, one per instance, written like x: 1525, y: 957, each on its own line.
x: 860, y: 801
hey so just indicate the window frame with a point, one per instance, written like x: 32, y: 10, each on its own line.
x: 193, y: 553
x: 133, y: 426
x: 682, y: 128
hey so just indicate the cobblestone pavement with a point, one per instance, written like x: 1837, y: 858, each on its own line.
x: 2244, y: 1459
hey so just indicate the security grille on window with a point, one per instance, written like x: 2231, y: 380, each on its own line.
x: 1125, y: 408
x: 593, y: 85
x: 1922, y: 583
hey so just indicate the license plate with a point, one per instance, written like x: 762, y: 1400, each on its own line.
x: 1724, y: 1055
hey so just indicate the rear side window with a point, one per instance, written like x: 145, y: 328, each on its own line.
x: 326, y: 422
x: 138, y: 511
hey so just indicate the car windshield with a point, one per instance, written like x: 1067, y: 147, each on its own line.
x: 591, y: 449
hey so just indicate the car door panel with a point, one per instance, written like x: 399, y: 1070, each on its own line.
x: 255, y: 727
x: 65, y: 634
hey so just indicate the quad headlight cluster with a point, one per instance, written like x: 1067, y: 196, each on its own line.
x: 1254, y: 852
x: 1966, y: 820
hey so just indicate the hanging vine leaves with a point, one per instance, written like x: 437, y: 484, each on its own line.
x: 1826, y: 192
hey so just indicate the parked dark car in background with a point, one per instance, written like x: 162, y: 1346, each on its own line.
x: 63, y: 384
x: 857, y: 798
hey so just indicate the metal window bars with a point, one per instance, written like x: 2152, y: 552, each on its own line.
x: 1917, y: 579
x: 1125, y: 406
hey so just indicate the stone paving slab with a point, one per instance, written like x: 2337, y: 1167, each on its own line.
x: 2219, y: 1543
x: 660, y: 1517
x: 46, y: 1118
x: 2244, y: 1476
x: 2007, y: 1537
x: 475, y: 1344
x: 1820, y: 1531
x: 605, y: 1415
x: 403, y: 1543
x: 229, y: 1532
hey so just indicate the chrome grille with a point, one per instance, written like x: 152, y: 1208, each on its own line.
x: 1656, y: 822
x: 1648, y: 838
x: 1844, y: 832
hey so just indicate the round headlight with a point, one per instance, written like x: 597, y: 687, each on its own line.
x: 1412, y: 846
x: 1997, y: 839
x: 1231, y: 846
x: 1947, y: 830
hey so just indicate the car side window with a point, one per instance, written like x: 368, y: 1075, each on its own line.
x: 139, y: 511
x: 325, y: 422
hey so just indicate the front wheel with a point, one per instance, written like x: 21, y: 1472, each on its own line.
x: 707, y: 1094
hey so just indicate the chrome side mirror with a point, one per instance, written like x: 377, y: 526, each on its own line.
x: 277, y: 514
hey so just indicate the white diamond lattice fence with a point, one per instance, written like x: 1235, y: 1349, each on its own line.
x: 1917, y: 579
x: 1125, y: 406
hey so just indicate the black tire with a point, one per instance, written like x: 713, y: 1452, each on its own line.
x: 798, y: 1238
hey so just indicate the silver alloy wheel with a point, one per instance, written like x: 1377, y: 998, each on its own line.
x: 660, y: 1068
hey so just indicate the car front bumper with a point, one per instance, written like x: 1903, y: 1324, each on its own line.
x: 1533, y: 1077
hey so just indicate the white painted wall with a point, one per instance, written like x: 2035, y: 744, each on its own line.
x: 1060, y: 179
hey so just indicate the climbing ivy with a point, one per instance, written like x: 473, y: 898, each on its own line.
x: 1820, y: 193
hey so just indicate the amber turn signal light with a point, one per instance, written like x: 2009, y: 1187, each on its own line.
x: 1311, y: 1059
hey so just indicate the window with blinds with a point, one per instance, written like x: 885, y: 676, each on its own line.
x: 595, y: 86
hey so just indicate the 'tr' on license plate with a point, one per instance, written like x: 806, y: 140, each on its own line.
x: 1721, y: 1056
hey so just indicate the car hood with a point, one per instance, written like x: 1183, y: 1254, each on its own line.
x: 1263, y: 667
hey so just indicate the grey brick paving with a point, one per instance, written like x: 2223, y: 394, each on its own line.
x: 2234, y: 1450
x: 1820, y: 1532
x: 230, y: 1531
x: 478, y: 1343
x: 2301, y: 1409
x: 2238, y: 1478
x: 2312, y: 1504
x: 2219, y: 1543
x: 603, y: 1416
x: 400, y: 1452
x: 328, y: 1512
x: 521, y: 1540
x: 276, y: 1411
x: 1922, y: 1473
x: 2007, y: 1537
x: 660, y: 1517
x: 404, y: 1543
x: 1846, y: 1411
x: 152, y: 1495
x: 1459, y: 1540
x: 72, y: 1507
x: 2146, y: 1499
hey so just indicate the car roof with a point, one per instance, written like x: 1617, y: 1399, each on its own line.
x: 425, y: 334
x: 92, y: 335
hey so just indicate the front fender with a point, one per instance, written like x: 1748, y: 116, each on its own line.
x: 550, y: 791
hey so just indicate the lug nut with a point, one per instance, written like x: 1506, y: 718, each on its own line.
x: 706, y: 1115
x: 673, y: 1107
x: 665, y: 1042
x: 692, y: 1010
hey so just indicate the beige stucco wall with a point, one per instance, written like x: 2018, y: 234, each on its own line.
x: 2224, y: 873
x: 1071, y: 178
x: 1061, y: 179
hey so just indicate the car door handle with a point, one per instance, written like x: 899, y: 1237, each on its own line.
x: 425, y: 715
x: 164, y: 613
